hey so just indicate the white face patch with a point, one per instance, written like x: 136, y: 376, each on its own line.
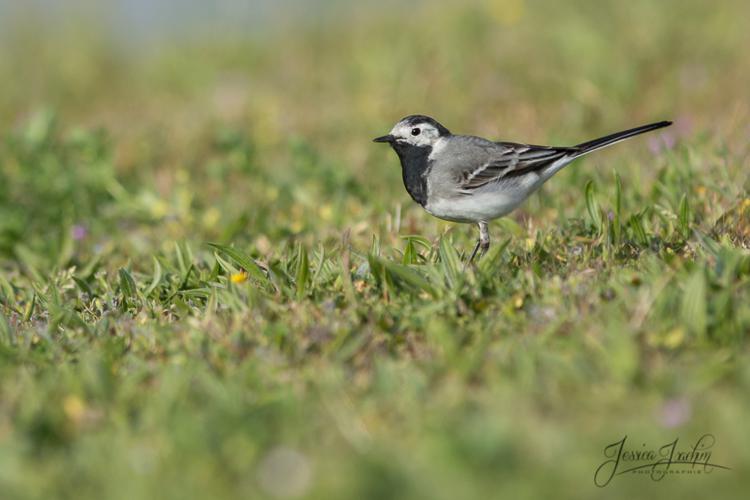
x: 416, y: 134
x: 437, y: 147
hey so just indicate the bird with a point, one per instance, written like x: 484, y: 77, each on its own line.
x: 469, y: 179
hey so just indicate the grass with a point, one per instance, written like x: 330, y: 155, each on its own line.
x: 212, y: 285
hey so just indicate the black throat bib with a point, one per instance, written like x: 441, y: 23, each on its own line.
x: 414, y: 169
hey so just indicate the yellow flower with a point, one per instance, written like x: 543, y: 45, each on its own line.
x: 326, y: 212
x: 238, y: 278
x: 507, y: 12
x: 674, y: 338
x: 211, y: 217
x: 74, y: 408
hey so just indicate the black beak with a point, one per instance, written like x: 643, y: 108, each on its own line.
x: 385, y: 138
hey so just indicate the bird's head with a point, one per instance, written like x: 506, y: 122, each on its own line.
x: 415, y: 130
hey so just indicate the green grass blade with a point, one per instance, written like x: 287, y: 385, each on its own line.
x: 593, y: 207
x: 400, y: 274
x: 450, y: 263
x: 127, y: 284
x: 244, y: 261
x: 684, y: 216
x: 155, y: 280
x: 302, y: 273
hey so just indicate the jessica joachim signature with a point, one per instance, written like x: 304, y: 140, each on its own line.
x: 656, y: 462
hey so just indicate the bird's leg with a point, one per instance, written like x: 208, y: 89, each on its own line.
x: 484, y: 238
x: 483, y: 242
x: 474, y: 252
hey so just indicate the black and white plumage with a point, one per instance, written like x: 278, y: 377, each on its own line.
x: 464, y: 178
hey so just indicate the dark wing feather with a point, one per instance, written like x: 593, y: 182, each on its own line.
x: 513, y: 161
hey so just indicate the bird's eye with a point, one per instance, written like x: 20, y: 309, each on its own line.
x: 415, y: 131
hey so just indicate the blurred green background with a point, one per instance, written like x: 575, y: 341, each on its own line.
x: 333, y: 345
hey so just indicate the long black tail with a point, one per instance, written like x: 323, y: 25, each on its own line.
x: 608, y: 140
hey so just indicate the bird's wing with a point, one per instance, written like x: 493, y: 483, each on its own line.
x: 508, y: 160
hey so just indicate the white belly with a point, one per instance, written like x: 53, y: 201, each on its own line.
x: 483, y: 206
x: 490, y: 202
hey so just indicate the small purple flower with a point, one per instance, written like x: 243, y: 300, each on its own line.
x: 668, y: 138
x: 662, y: 142
x: 79, y: 232
x: 675, y: 412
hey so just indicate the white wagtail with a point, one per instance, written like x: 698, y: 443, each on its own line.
x: 462, y: 178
